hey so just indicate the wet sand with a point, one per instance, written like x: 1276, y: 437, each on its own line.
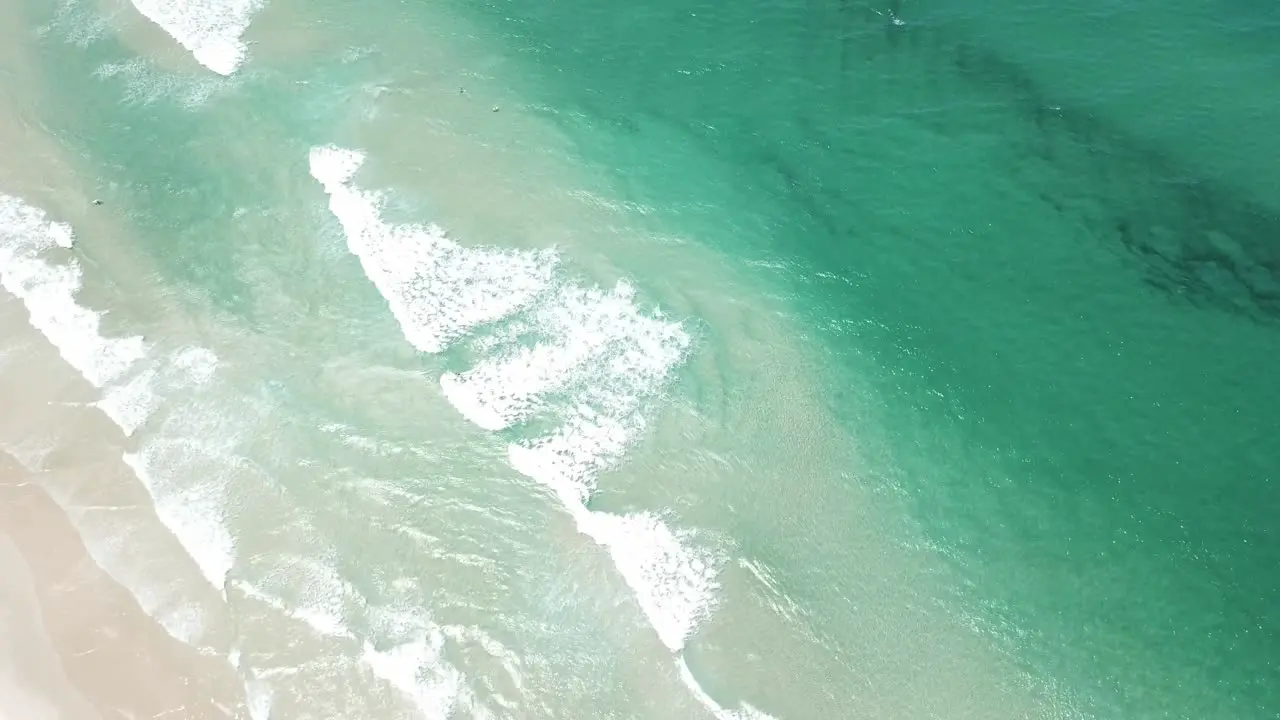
x: 84, y: 633
x: 88, y: 648
x: 74, y: 643
x: 32, y: 682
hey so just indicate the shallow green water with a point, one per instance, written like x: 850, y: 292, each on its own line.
x: 1067, y: 310
x: 984, y: 337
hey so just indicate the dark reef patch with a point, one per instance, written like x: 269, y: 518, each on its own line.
x: 1198, y: 239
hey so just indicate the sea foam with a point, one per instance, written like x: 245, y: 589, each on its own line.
x: 746, y: 711
x: 597, y: 361
x: 435, y: 288
x: 187, y: 460
x: 209, y: 29
x: 48, y: 289
x: 582, y: 329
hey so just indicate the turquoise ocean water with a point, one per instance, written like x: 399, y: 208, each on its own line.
x: 909, y: 359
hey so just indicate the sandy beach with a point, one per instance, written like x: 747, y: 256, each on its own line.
x: 76, y: 643
x: 95, y: 652
x: 122, y: 614
x: 83, y: 645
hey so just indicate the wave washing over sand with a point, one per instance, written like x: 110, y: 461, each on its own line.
x: 209, y: 29
x: 36, y: 266
x: 595, y: 364
x: 48, y: 286
x: 48, y: 289
x: 189, y: 460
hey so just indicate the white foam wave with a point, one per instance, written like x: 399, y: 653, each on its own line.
x: 131, y: 403
x: 188, y: 498
x: 258, y: 698
x: 412, y: 661
x: 48, y: 290
x: 145, y: 84
x: 674, y: 583
x: 209, y: 29
x: 401, y: 646
x: 436, y: 289
x: 192, y: 512
x: 597, y: 351
x: 408, y: 668
x: 581, y: 325
x: 568, y: 459
x: 746, y: 711
x: 125, y: 550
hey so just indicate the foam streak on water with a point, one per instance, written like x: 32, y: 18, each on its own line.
x: 437, y: 290
x: 580, y: 326
x: 182, y: 471
x: 48, y: 290
x: 747, y: 711
x: 417, y: 669
x: 597, y: 362
x: 210, y: 29
x: 193, y: 514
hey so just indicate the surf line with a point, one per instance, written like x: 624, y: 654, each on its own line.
x: 596, y: 347
x: 210, y: 31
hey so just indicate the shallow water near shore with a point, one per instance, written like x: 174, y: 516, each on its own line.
x: 573, y: 361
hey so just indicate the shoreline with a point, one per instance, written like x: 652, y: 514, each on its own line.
x: 525, y: 213
x: 115, y: 655
x: 530, y: 222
